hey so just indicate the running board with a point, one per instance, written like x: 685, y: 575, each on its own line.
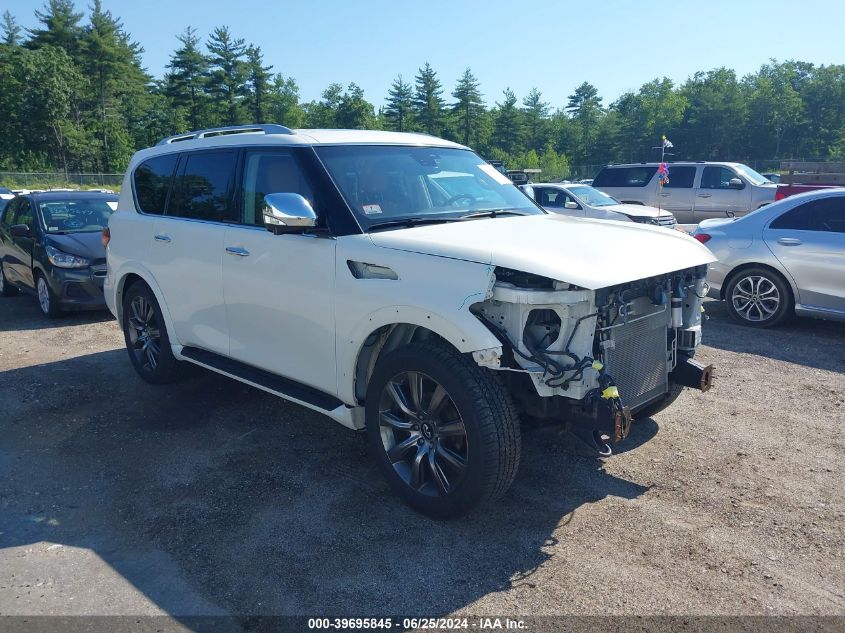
x: 264, y: 379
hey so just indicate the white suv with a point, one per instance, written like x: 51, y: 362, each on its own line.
x: 400, y: 284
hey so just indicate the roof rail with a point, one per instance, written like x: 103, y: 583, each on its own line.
x: 256, y: 128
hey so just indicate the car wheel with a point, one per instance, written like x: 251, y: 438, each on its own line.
x: 46, y: 298
x: 758, y: 297
x: 6, y: 289
x: 146, y: 336
x: 444, y: 431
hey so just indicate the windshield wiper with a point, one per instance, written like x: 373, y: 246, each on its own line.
x: 408, y: 222
x: 491, y: 213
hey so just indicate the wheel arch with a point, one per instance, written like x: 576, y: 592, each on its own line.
x: 381, y: 336
x: 748, y: 265
x: 132, y: 276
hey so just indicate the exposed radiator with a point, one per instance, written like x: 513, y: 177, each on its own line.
x: 635, y: 354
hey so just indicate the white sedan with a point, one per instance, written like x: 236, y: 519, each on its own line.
x: 579, y: 200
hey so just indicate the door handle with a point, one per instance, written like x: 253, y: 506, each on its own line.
x: 789, y: 241
x: 237, y: 250
x: 664, y: 194
x: 704, y: 195
x: 161, y: 237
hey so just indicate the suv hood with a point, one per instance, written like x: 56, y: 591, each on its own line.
x: 588, y: 253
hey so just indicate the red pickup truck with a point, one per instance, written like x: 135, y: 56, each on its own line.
x: 807, y: 176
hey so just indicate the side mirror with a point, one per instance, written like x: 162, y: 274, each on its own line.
x: 288, y: 213
x: 736, y: 183
x: 570, y: 204
x: 20, y: 230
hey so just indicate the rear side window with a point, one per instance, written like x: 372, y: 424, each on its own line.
x: 681, y: 177
x: 204, y: 188
x: 624, y: 176
x: 152, y: 182
x: 827, y: 214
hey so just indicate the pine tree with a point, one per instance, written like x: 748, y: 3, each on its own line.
x: 188, y: 78
x: 508, y: 129
x: 62, y: 27
x: 536, y: 120
x: 11, y: 30
x: 284, y: 102
x: 429, y: 107
x: 258, y: 77
x: 228, y: 74
x: 585, y: 106
x: 400, y: 104
x: 353, y: 111
x: 469, y: 107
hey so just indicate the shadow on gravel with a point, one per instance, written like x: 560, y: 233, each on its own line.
x: 22, y: 313
x: 810, y: 342
x: 212, y: 497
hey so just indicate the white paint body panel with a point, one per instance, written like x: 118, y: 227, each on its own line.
x: 588, y: 253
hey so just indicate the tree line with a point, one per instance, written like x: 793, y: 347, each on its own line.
x: 76, y: 98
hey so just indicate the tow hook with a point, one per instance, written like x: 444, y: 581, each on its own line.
x: 621, y: 422
x: 690, y: 373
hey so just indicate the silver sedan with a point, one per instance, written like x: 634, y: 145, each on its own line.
x: 785, y: 258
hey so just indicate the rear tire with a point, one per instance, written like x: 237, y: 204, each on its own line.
x: 6, y: 289
x: 758, y: 297
x: 145, y: 334
x: 443, y: 430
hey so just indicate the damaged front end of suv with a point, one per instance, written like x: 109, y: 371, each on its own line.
x: 594, y: 358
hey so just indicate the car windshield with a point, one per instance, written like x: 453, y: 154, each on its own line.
x: 752, y: 176
x: 394, y: 183
x: 76, y: 216
x: 593, y: 197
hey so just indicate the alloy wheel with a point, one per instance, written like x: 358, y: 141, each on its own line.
x: 422, y: 433
x: 43, y: 296
x: 755, y: 298
x: 144, y: 333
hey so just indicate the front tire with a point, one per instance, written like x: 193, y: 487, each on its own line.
x: 443, y: 430
x: 146, y: 337
x: 46, y: 298
x: 758, y: 297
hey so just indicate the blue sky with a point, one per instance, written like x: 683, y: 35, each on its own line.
x: 617, y: 45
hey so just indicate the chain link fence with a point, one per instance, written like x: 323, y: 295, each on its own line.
x: 59, y: 180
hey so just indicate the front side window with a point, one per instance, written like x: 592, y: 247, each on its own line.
x: 76, y: 216
x: 152, y: 182
x: 716, y: 178
x: 386, y: 183
x: 203, y: 190
x: 554, y: 198
x: 271, y: 172
x: 680, y: 177
x: 23, y: 214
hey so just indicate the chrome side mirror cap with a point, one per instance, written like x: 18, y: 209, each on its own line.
x: 288, y: 212
x: 736, y: 183
x: 570, y: 204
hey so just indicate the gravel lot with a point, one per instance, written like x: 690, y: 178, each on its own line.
x: 209, y: 497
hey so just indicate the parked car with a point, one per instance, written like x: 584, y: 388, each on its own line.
x: 787, y: 258
x: 585, y: 201
x: 51, y: 246
x: 400, y: 284
x: 695, y: 191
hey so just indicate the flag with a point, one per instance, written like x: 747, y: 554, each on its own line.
x: 667, y: 143
x: 663, y: 174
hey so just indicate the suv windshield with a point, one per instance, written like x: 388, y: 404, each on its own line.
x: 752, y: 176
x: 390, y: 183
x: 77, y: 216
x: 593, y: 197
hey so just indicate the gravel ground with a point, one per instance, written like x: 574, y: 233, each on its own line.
x: 210, y: 497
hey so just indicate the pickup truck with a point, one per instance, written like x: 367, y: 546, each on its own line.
x: 809, y: 176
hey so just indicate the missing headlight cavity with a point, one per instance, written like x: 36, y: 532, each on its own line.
x: 542, y: 328
x: 523, y: 280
